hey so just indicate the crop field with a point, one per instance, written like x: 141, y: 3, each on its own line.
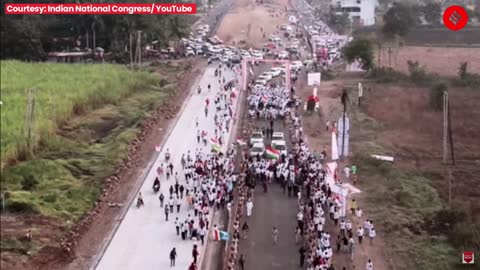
x: 60, y: 91
x: 86, y: 115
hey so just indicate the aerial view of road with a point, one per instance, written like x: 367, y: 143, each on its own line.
x: 240, y: 134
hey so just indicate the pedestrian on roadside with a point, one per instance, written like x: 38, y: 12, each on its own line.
x: 173, y: 255
x: 353, y: 205
x: 360, y: 234
x: 372, y: 235
x: 166, y: 212
x: 177, y: 225
x: 245, y: 230
x: 195, y: 253
x: 302, y: 252
x: 275, y: 235
x: 369, y: 265
x: 193, y: 266
x: 202, y: 235
x: 179, y: 202
x: 182, y: 188
x: 171, y: 204
x: 351, y: 247
x: 339, y: 243
x: 161, y: 198
x: 241, y: 262
x: 298, y: 235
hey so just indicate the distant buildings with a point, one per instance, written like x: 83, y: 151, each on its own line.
x: 361, y: 12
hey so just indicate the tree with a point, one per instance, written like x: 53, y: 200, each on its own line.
x: 432, y: 11
x: 399, y: 19
x: 361, y: 50
x: 339, y: 22
x: 30, y: 37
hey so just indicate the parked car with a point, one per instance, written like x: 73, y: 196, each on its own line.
x: 296, y: 65
x: 257, y: 137
x: 257, y: 149
x: 276, y: 71
x: 265, y: 76
x: 283, y: 55
x: 189, y: 52
x: 261, y: 81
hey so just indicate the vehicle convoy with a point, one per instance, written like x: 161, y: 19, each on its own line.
x: 257, y: 137
x: 258, y: 149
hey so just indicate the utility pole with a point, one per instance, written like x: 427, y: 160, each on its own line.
x: 88, y: 43
x: 30, y: 118
x: 138, y: 49
x: 131, y: 52
x: 445, y: 127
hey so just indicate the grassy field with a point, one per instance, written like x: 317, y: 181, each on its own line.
x: 61, y: 90
x: 421, y: 231
x: 74, y: 153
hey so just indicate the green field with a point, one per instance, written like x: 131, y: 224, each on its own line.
x: 421, y: 231
x: 75, y: 152
x: 61, y: 89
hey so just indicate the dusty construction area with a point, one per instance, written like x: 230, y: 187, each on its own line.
x: 244, y: 23
x: 52, y: 234
x: 442, y: 60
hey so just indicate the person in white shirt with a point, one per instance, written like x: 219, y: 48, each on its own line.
x: 358, y: 212
x: 300, y: 220
x: 348, y: 226
x: 347, y: 172
x: 372, y: 234
x: 369, y: 265
x: 360, y: 234
x: 342, y: 227
x: 249, y: 207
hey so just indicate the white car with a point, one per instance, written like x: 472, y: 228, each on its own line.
x: 277, y: 136
x: 224, y: 58
x: 283, y: 55
x: 296, y: 65
x: 189, y: 52
x: 257, y: 149
x: 246, y: 55
x: 265, y: 76
x: 280, y: 146
x: 261, y: 81
x: 257, y: 137
x: 276, y: 71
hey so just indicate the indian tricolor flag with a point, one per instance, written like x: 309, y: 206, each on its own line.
x: 241, y: 142
x: 272, y: 153
x: 220, y: 235
x: 215, y: 145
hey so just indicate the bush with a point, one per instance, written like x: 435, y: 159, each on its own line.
x: 444, y: 221
x: 386, y: 75
x: 436, y: 96
x: 29, y: 183
x: 417, y: 72
x: 21, y: 207
x: 462, y: 70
